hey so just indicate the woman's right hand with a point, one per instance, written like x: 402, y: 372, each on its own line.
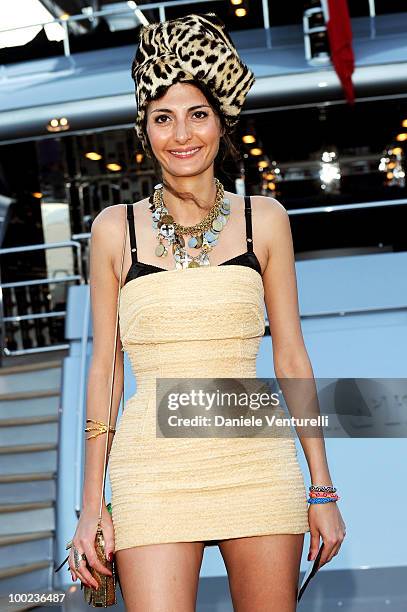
x: 84, y: 541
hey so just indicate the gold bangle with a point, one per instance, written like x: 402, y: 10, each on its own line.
x: 100, y: 428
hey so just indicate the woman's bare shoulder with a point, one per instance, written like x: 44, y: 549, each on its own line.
x: 111, y: 218
x: 266, y: 205
x: 263, y: 205
x: 270, y: 222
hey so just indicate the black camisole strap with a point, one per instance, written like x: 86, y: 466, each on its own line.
x: 132, y: 232
x: 248, y: 215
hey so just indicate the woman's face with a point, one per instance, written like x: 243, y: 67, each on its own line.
x: 183, y: 130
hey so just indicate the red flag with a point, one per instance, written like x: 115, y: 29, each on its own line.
x: 340, y: 41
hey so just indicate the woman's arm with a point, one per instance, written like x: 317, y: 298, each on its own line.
x: 105, y: 251
x: 281, y: 298
x: 291, y: 361
x: 105, y: 256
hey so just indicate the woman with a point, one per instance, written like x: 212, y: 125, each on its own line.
x: 192, y: 311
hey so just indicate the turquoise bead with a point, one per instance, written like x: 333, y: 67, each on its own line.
x: 210, y: 237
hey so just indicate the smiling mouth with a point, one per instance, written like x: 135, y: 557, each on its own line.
x: 185, y: 154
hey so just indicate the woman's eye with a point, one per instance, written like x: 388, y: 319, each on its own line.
x: 159, y: 117
x: 200, y: 112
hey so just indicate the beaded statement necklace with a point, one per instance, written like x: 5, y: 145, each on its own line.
x: 204, y: 234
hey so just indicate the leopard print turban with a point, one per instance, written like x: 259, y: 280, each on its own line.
x: 194, y: 47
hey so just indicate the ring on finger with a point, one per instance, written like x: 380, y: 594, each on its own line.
x: 78, y: 557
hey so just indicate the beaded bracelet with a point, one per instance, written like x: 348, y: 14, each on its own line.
x: 322, y: 494
x: 321, y: 500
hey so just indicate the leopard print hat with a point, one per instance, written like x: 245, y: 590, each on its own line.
x: 193, y: 47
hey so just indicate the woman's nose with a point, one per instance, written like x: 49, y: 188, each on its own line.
x: 182, y: 131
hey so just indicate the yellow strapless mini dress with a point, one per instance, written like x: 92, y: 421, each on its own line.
x: 197, y: 323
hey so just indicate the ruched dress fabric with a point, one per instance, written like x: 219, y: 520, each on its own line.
x: 197, y: 323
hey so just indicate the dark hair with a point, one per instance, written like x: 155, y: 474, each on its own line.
x: 227, y: 146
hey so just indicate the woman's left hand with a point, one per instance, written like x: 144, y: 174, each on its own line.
x: 325, y: 521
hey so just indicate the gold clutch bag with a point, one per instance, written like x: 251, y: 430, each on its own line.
x: 105, y: 595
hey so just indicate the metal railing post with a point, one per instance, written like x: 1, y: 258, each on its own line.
x: 67, y: 49
x: 372, y: 8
